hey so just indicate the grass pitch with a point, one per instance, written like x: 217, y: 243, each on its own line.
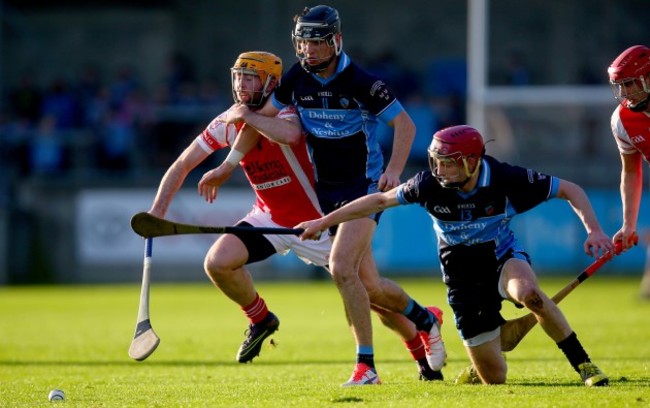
x: 76, y: 338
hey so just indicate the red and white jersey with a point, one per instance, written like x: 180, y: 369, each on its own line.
x: 281, y: 175
x: 631, y: 131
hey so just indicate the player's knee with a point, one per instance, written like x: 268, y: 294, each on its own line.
x: 534, y: 300
x: 342, y: 279
x: 343, y: 272
x: 493, y: 373
x: 494, y: 377
x: 217, y: 268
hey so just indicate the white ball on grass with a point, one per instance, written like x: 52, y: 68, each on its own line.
x: 56, y: 395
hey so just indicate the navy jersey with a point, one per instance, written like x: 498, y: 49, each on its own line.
x: 484, y: 214
x: 339, y: 115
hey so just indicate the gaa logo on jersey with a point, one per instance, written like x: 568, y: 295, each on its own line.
x: 441, y: 209
x: 345, y: 102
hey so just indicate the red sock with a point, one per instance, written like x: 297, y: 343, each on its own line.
x: 256, y: 311
x: 416, y: 348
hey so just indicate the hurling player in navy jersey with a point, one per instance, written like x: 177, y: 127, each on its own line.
x: 471, y: 198
x: 340, y: 106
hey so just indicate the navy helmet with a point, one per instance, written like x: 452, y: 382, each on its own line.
x: 319, y: 23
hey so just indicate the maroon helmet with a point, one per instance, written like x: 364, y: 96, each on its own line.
x: 452, y: 147
x: 629, y: 76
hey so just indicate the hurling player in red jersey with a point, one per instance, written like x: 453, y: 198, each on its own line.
x: 275, y: 171
x: 629, y: 76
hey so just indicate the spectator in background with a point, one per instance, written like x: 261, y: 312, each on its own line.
x: 96, y: 108
x: 59, y: 102
x: 210, y: 94
x: 188, y: 96
x: 125, y: 82
x: 46, y: 149
x: 116, y: 140
x: 26, y: 99
x: 517, y: 73
x: 629, y: 76
x: 15, y: 135
x: 87, y: 88
x: 180, y: 72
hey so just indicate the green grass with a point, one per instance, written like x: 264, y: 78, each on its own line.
x: 76, y: 338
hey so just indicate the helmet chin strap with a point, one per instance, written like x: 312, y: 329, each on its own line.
x: 458, y: 185
x: 315, y: 69
x: 640, y: 106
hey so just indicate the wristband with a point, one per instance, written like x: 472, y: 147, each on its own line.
x: 234, y: 157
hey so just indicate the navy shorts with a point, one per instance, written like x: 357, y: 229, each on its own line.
x: 472, y: 275
x: 334, y: 195
x: 259, y: 248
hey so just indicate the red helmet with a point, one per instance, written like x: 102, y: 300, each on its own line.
x: 456, y: 144
x: 629, y: 77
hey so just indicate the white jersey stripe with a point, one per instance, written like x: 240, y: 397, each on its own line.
x: 301, y: 176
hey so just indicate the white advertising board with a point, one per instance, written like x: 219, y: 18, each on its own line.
x: 104, y: 234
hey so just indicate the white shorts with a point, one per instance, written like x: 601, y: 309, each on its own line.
x: 314, y: 252
x: 482, y: 338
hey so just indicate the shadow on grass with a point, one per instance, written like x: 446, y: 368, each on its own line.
x: 179, y: 363
x: 613, y: 382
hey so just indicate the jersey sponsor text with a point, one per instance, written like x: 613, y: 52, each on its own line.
x: 271, y: 184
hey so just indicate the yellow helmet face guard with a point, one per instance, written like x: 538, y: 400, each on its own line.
x: 449, y: 169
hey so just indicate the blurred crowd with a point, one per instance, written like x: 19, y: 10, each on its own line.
x: 115, y: 126
x: 112, y: 126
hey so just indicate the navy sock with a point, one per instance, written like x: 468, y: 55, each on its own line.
x: 422, y: 318
x: 366, y: 355
x: 367, y: 359
x: 573, y: 351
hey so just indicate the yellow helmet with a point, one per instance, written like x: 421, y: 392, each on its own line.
x: 266, y: 66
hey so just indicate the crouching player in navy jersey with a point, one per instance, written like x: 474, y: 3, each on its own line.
x: 471, y: 198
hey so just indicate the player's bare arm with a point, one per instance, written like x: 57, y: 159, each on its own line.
x: 404, y: 133
x: 631, y: 189
x: 282, y: 130
x: 359, y: 208
x: 213, y: 179
x: 247, y: 137
x: 597, y: 241
x: 174, y: 178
